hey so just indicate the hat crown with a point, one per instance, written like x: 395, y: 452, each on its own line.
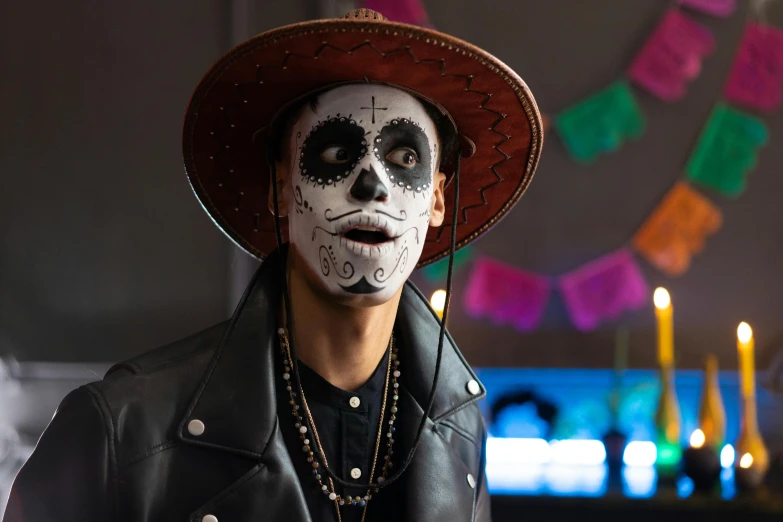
x: 364, y: 14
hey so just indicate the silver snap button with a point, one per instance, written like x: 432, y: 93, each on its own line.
x: 473, y: 387
x: 209, y: 518
x: 471, y: 480
x: 356, y: 473
x: 196, y: 428
x: 354, y: 402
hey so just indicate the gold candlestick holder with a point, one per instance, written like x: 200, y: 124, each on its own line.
x: 712, y: 413
x: 752, y: 457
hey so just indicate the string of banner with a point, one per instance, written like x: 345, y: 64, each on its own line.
x: 725, y: 152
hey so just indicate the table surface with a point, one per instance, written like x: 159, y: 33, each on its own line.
x: 556, y: 492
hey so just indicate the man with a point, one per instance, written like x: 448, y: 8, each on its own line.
x: 333, y: 393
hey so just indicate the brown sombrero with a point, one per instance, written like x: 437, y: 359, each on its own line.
x: 493, y: 109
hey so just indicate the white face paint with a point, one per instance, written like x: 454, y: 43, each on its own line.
x: 362, y: 185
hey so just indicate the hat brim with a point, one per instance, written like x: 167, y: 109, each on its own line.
x: 225, y: 154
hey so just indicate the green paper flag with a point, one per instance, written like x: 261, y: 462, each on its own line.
x: 438, y: 271
x: 601, y: 123
x: 727, y: 150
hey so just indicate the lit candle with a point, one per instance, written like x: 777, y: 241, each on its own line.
x: 747, y: 364
x: 697, y: 439
x: 438, y: 302
x: 663, y: 311
x: 746, y: 461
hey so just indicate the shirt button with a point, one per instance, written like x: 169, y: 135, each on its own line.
x: 196, y: 428
x: 356, y: 473
x: 471, y: 480
x: 354, y: 402
x: 473, y: 387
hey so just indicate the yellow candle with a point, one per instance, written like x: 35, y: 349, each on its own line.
x: 663, y: 311
x: 438, y: 302
x: 746, y: 357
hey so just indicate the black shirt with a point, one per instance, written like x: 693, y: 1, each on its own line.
x: 348, y: 431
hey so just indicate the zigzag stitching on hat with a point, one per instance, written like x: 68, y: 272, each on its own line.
x: 406, y: 49
x: 493, y: 168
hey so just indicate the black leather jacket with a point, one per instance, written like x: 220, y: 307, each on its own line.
x: 120, y: 449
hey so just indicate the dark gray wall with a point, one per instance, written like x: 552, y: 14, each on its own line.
x: 105, y: 252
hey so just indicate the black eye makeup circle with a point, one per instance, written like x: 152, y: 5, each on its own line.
x: 331, y: 150
x: 404, y: 149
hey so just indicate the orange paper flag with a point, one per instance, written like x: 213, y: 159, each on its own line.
x: 677, y: 229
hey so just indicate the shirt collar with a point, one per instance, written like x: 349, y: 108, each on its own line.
x: 319, y: 389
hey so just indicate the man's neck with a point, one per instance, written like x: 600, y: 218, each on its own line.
x: 343, y: 344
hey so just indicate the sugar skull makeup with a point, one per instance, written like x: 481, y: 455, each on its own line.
x: 362, y: 173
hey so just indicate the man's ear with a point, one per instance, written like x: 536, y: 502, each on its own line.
x: 283, y: 193
x: 438, y: 203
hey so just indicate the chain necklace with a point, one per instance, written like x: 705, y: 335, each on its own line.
x: 312, y: 458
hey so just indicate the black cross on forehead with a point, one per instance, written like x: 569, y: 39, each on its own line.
x: 374, y: 108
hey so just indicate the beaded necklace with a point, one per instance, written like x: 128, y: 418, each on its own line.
x: 312, y: 457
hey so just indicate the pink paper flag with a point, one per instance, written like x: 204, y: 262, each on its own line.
x: 756, y: 78
x: 672, y: 56
x: 506, y: 295
x: 405, y: 11
x: 604, y: 288
x: 722, y: 8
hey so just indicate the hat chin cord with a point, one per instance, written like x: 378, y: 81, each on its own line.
x: 289, y: 325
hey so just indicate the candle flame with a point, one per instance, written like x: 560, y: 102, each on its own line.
x: 746, y: 461
x: 697, y: 439
x: 661, y: 298
x: 438, y: 300
x: 744, y: 332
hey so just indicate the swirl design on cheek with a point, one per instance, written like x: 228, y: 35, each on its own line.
x: 298, y: 200
x: 402, y: 262
x: 324, y: 255
x: 328, y: 260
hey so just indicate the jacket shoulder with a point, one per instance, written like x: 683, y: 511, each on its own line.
x: 146, y: 397
x: 205, y: 340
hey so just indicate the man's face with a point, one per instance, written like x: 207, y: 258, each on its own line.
x: 363, y: 167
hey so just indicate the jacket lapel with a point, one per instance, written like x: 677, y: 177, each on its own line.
x: 236, y: 399
x: 269, y: 491
x: 237, y: 404
x: 418, y: 329
x: 435, y: 485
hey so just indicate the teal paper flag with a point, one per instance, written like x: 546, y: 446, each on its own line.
x: 601, y: 123
x: 727, y: 150
x: 437, y: 271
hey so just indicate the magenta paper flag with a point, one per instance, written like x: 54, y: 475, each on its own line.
x: 405, y: 11
x: 603, y: 289
x: 721, y: 8
x: 756, y: 78
x: 672, y: 56
x: 506, y: 295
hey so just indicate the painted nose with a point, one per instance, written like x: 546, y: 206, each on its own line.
x: 369, y: 187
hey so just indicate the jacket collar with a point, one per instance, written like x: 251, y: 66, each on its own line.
x: 236, y: 400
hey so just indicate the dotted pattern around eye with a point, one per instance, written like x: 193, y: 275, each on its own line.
x: 325, y: 181
x: 397, y: 183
